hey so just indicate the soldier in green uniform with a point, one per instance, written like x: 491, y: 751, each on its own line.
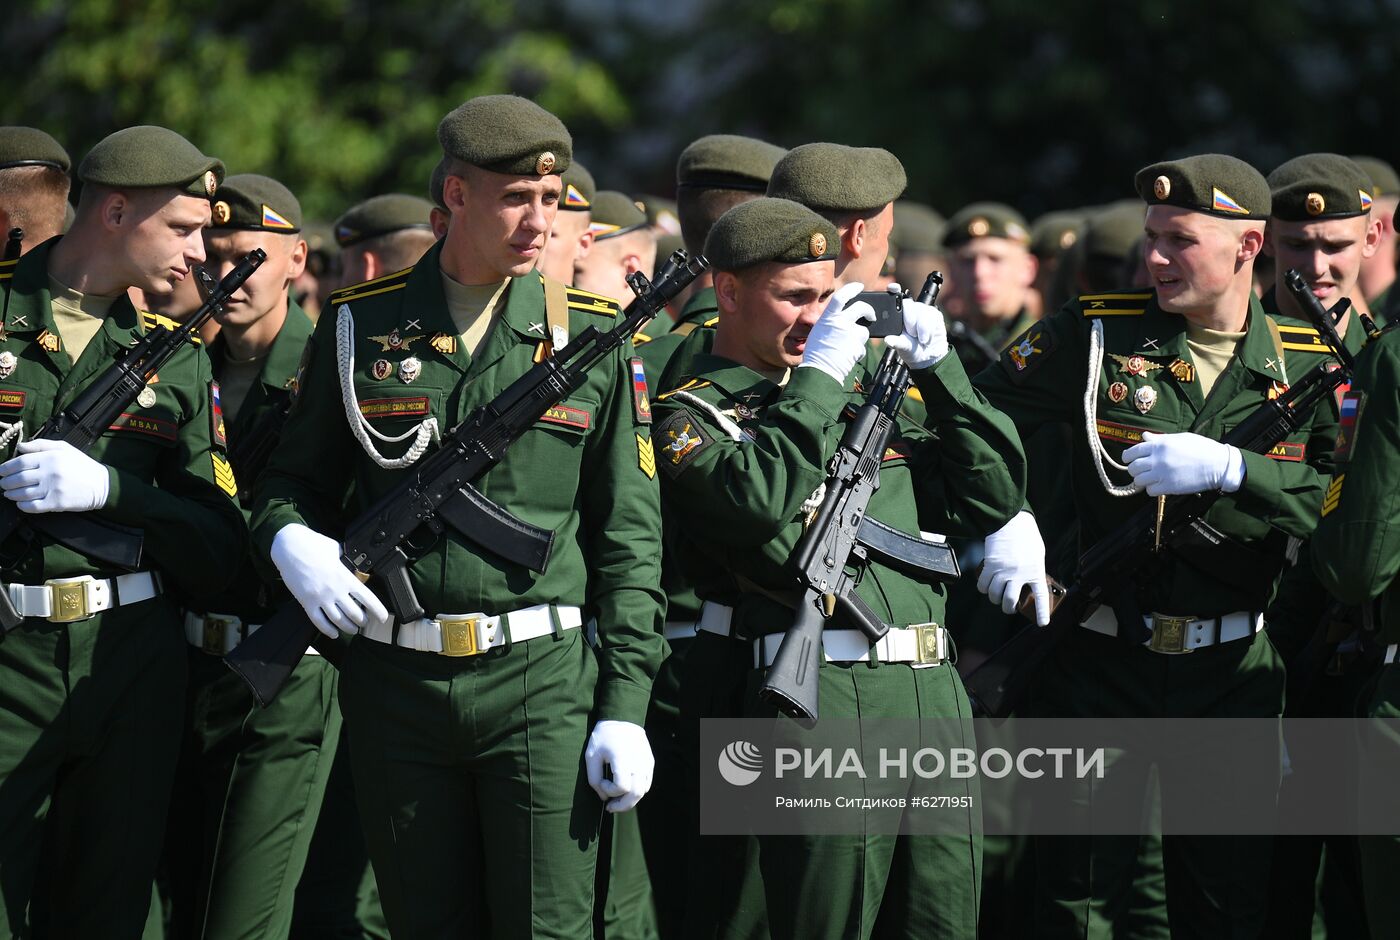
x: 992, y: 271
x: 1169, y: 369
x: 916, y: 242
x: 1378, y: 271
x: 485, y: 734
x: 33, y: 185
x: 382, y: 235
x: 713, y: 174
x: 1053, y: 238
x: 1323, y: 225
x: 571, y: 237
x: 623, y: 243
x: 747, y: 436
x: 91, y: 681
x: 1357, y: 558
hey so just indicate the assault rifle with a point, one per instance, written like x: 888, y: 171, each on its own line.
x: 841, y: 533
x: 91, y: 414
x: 437, y: 494
x: 1124, y: 555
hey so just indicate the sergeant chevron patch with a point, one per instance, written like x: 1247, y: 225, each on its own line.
x: 646, y: 457
x: 223, y: 475
x: 1334, y: 494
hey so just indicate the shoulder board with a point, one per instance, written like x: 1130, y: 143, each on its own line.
x: 640, y: 339
x: 1115, y: 304
x: 380, y: 285
x: 7, y: 269
x: 151, y: 320
x: 590, y: 302
x: 689, y: 386
x: 710, y: 322
x: 1301, y: 338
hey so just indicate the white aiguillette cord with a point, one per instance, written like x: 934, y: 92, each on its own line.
x: 423, y: 433
x: 1091, y: 419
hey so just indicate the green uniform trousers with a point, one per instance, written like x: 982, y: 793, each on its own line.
x: 1217, y: 886
x: 879, y: 884
x: 626, y: 909
x: 469, y: 778
x: 89, y: 738
x: 258, y: 776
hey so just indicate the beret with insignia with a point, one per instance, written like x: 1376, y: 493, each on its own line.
x: 380, y: 215
x: 836, y: 178
x: 1113, y: 230
x: 1384, y: 181
x: 29, y: 146
x: 1319, y: 186
x: 917, y: 228
x: 728, y: 161
x: 615, y: 214
x: 768, y: 229
x: 1054, y: 233
x: 579, y: 189
x: 661, y: 213
x: 256, y: 203
x: 986, y: 220
x: 1213, y: 183
x: 146, y: 157
x: 506, y: 134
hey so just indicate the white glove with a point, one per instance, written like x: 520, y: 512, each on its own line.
x: 1175, y: 464
x: 1015, y: 559
x: 54, y: 476
x: 332, y: 597
x: 622, y: 747
x: 837, y: 340
x: 924, y: 341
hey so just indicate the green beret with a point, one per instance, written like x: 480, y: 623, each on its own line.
x: 1213, y: 183
x: 917, y: 228
x: 728, y: 161
x: 146, y: 157
x: 380, y: 215
x: 661, y: 213
x: 837, y: 178
x: 436, y: 182
x: 1384, y: 181
x: 1114, y: 229
x: 615, y: 214
x: 506, y: 134
x: 257, y: 203
x: 768, y: 229
x: 1319, y: 186
x: 29, y: 146
x: 579, y: 188
x: 1054, y: 233
x: 986, y: 220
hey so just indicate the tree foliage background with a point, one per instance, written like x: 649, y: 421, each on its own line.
x: 1045, y: 105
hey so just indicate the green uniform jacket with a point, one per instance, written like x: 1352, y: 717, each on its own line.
x: 1356, y: 548
x: 166, y: 475
x: 1041, y: 378
x: 585, y: 471
x: 738, y: 504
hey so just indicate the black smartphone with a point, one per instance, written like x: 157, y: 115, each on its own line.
x: 889, y: 311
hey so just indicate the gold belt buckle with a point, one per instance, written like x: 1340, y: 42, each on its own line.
x: 68, y: 601
x: 216, y: 631
x: 1169, y: 634
x: 927, y: 636
x: 459, y: 636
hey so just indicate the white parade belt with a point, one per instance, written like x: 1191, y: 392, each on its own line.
x: 67, y: 600
x: 474, y: 634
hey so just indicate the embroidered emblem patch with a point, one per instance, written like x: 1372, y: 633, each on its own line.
x: 217, y: 433
x: 1353, y: 403
x: 646, y: 457
x: 394, y: 407
x: 1027, y: 351
x: 681, y: 442
x: 641, y: 401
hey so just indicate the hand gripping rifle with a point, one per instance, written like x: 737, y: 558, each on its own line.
x: 841, y: 534
x: 1121, y: 557
x: 437, y: 494
x: 92, y: 413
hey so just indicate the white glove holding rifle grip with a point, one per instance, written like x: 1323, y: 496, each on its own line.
x: 54, y: 476
x: 838, y: 339
x: 1015, y: 559
x: 924, y: 341
x: 622, y: 747
x: 333, y: 598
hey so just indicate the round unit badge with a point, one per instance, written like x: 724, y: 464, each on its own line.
x: 1144, y: 398
x: 409, y: 369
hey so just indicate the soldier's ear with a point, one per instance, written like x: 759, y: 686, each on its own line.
x: 727, y: 291
x: 1251, y: 243
x: 853, y: 237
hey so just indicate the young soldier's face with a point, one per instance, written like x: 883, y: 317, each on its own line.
x: 991, y: 276
x: 266, y: 290
x: 1327, y: 253
x: 774, y: 307
x: 504, y: 221
x: 164, y: 239
x: 1192, y: 258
